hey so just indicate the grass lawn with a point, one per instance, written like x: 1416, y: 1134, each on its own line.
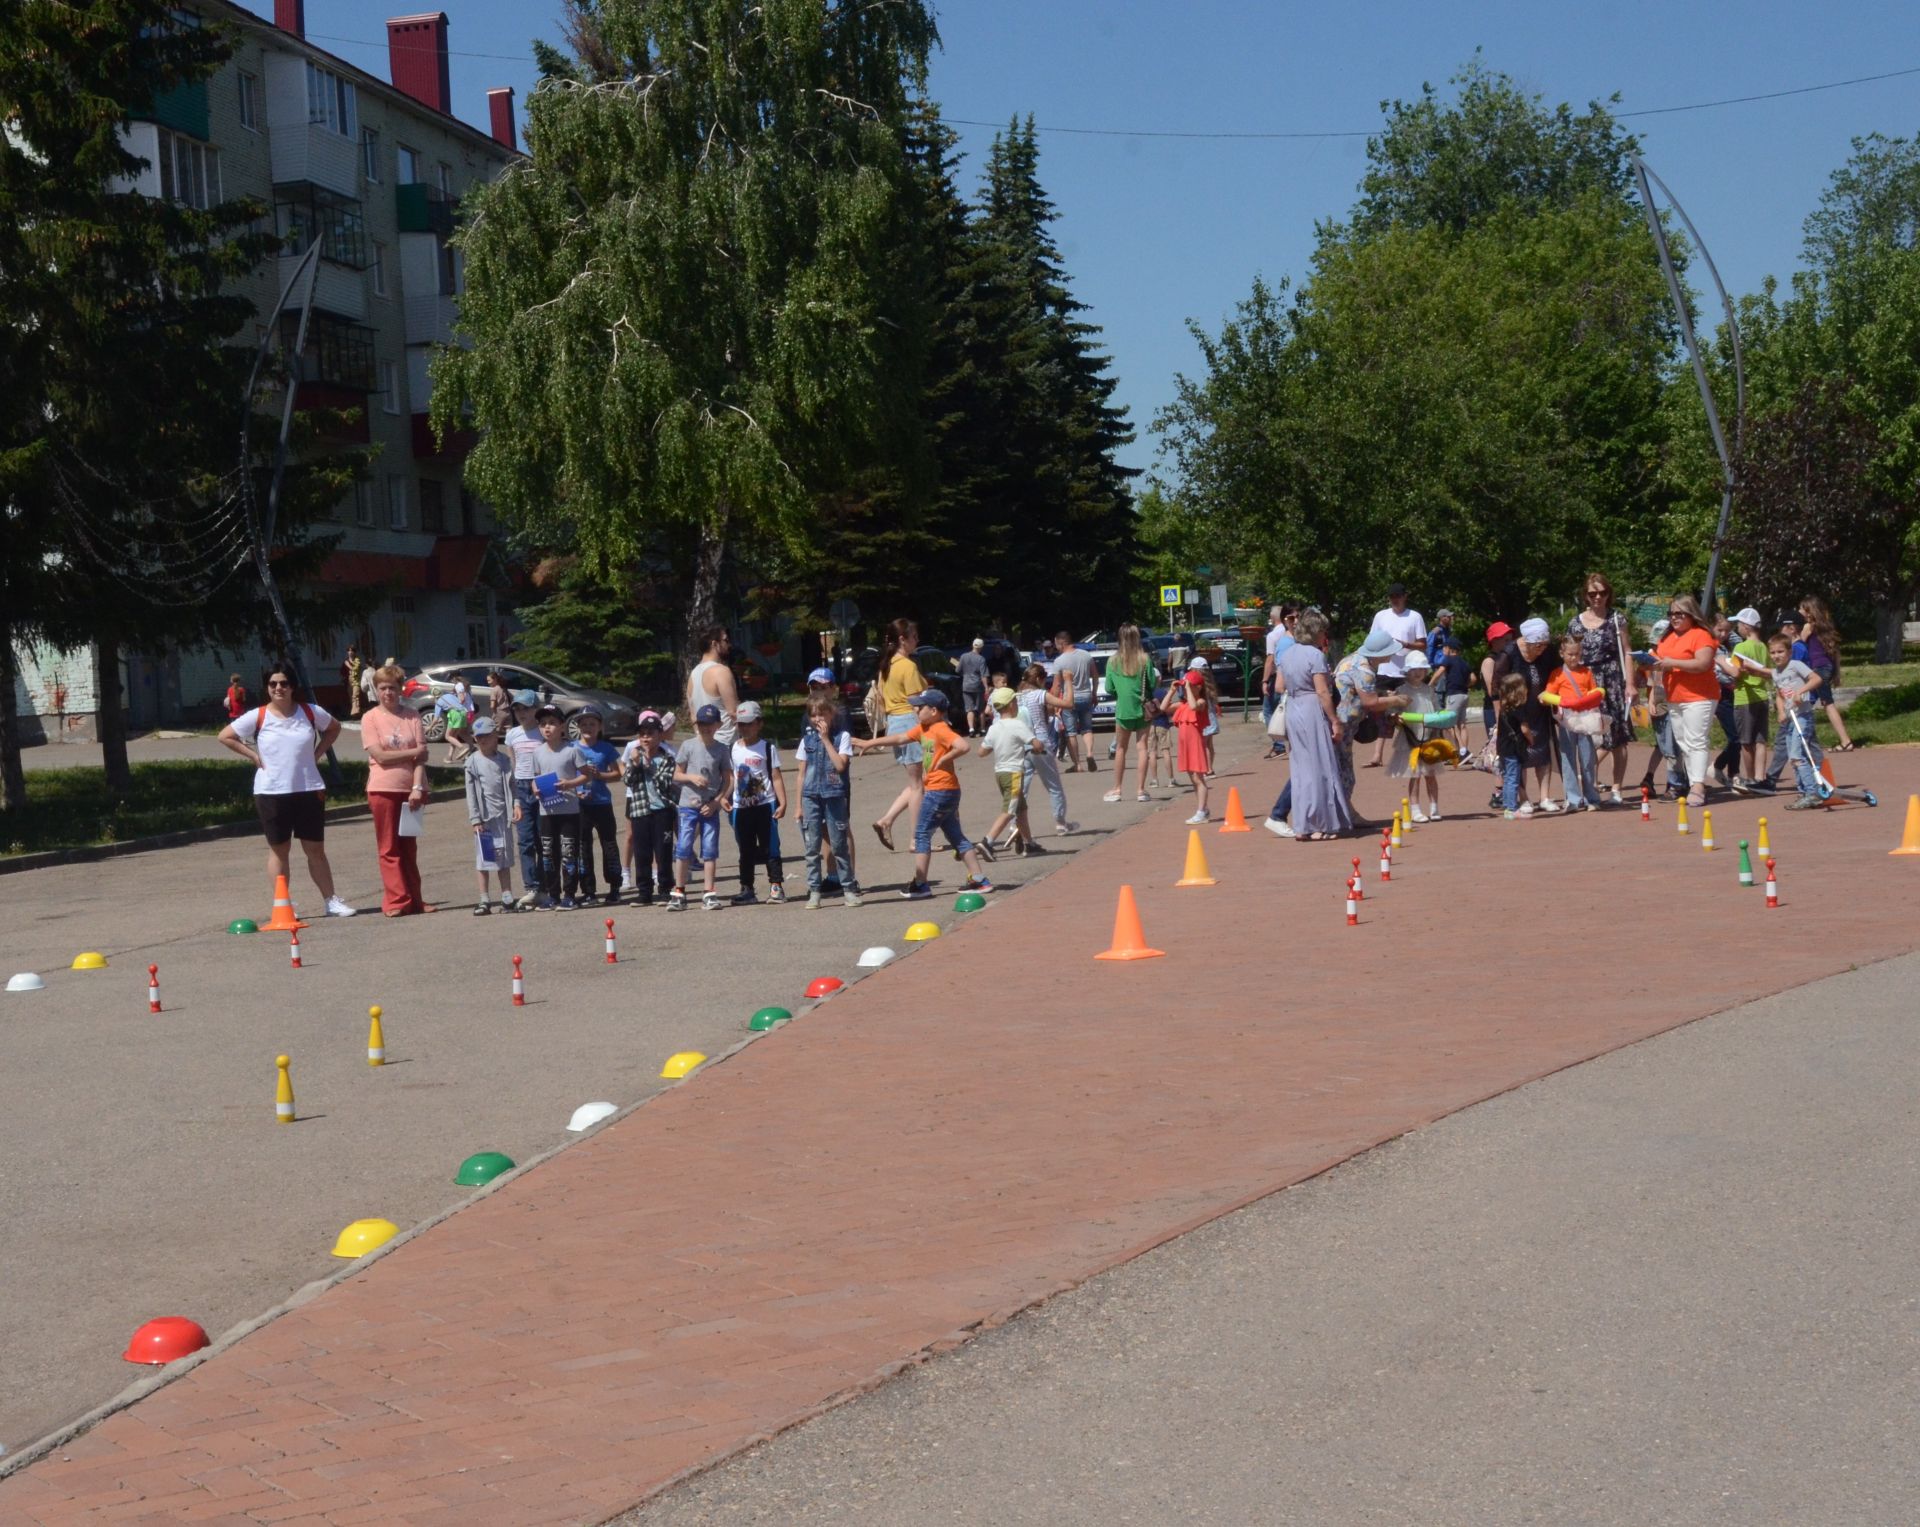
x: 72, y: 808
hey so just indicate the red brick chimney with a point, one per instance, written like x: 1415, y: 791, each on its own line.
x: 417, y: 59
x: 500, y: 114
x: 291, y: 16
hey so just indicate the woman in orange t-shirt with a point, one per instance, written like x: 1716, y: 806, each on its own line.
x: 1684, y: 660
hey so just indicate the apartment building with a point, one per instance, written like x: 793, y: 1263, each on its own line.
x: 373, y: 169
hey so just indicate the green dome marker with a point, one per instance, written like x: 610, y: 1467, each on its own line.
x: 768, y: 1018
x: 969, y: 901
x: 243, y: 925
x: 477, y: 1171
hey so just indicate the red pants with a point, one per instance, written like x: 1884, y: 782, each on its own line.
x: 399, y: 857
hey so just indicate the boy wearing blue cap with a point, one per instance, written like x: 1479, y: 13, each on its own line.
x: 940, y: 804
x: 704, y: 772
x: 600, y: 761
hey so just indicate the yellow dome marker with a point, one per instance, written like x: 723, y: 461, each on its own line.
x: 283, y: 1096
x: 682, y: 1064
x: 376, y: 1040
x: 363, y: 1236
x: 93, y: 959
x: 919, y: 933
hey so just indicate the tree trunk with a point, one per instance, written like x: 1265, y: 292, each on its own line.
x: 111, y: 720
x: 703, y: 599
x: 13, y: 778
x: 1888, y: 620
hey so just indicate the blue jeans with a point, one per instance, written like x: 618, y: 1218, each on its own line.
x: 1080, y: 719
x: 1509, y: 784
x: 1047, y: 768
x: 528, y: 833
x: 825, y: 816
x: 1283, y: 807
x: 696, y: 830
x: 1578, y: 761
x: 940, y: 809
x: 1806, y: 755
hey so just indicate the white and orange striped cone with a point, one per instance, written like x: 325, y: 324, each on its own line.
x: 293, y: 948
x: 1773, y: 888
x: 1386, y: 864
x: 1353, y: 908
x: 153, y: 988
x: 519, y: 984
x: 612, y: 958
x: 1646, y: 804
x: 1359, y: 885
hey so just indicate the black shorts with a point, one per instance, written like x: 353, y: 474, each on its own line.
x: 1750, y: 723
x: 302, y: 815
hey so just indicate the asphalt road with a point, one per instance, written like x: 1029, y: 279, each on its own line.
x: 1674, y: 1285
x: 141, y: 1172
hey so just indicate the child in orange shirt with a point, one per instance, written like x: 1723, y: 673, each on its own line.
x: 1575, y: 700
x: 940, y: 804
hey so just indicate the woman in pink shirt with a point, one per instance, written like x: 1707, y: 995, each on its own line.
x: 396, y: 747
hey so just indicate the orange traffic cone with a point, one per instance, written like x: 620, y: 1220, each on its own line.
x: 1910, y: 839
x: 1236, y: 819
x: 1826, y: 771
x: 1129, y: 938
x: 284, y: 919
x: 1197, y: 872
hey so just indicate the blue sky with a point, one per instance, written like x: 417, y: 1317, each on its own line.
x: 1156, y: 231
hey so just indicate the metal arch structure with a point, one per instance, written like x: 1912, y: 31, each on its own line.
x: 1642, y: 174
x: 262, y: 523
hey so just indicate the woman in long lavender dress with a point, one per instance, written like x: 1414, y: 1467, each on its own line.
x: 1314, y: 733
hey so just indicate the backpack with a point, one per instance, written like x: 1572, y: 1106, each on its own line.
x: 875, y: 706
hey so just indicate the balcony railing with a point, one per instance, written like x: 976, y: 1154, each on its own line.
x: 422, y: 208
x: 338, y: 354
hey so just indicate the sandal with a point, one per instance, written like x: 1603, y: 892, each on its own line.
x: 885, y: 834
x: 1846, y: 747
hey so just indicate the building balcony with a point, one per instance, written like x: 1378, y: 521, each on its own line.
x: 429, y: 317
x: 316, y: 155
x: 336, y: 289
x: 422, y: 208
x: 348, y: 423
x: 339, y: 354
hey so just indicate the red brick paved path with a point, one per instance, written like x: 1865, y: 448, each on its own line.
x: 991, y: 1120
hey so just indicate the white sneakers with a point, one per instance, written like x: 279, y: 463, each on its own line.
x: 338, y: 908
x: 1279, y: 827
x: 1419, y: 815
x: 1196, y: 819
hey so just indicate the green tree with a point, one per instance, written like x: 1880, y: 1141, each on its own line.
x: 113, y: 309
x: 678, y: 306
x: 1453, y: 163
x: 1467, y: 393
x: 594, y: 626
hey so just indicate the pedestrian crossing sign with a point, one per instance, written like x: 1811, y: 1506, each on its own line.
x: 1169, y: 593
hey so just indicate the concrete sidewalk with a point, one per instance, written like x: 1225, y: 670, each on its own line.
x: 990, y: 1121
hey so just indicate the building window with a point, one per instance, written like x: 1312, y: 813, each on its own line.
x: 189, y: 171
x: 339, y: 353
x: 389, y: 387
x: 469, y: 513
x: 396, y: 502
x: 407, y: 165
x: 331, y: 102
x: 363, y: 505
x: 379, y: 269
x: 338, y: 223
x: 446, y: 180
x: 249, y: 102
x: 370, y: 155
x: 433, y: 506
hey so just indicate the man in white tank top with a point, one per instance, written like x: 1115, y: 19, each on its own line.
x: 711, y: 682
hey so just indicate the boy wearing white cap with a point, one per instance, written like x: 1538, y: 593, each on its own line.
x: 1752, y: 674
x: 759, y: 799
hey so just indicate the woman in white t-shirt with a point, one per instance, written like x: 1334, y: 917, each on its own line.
x: 283, y: 740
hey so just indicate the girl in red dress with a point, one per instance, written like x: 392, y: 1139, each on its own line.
x: 1190, y: 717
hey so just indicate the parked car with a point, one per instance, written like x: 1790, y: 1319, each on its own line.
x: 619, y: 716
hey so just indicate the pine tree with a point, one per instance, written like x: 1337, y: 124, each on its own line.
x: 1059, y: 499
